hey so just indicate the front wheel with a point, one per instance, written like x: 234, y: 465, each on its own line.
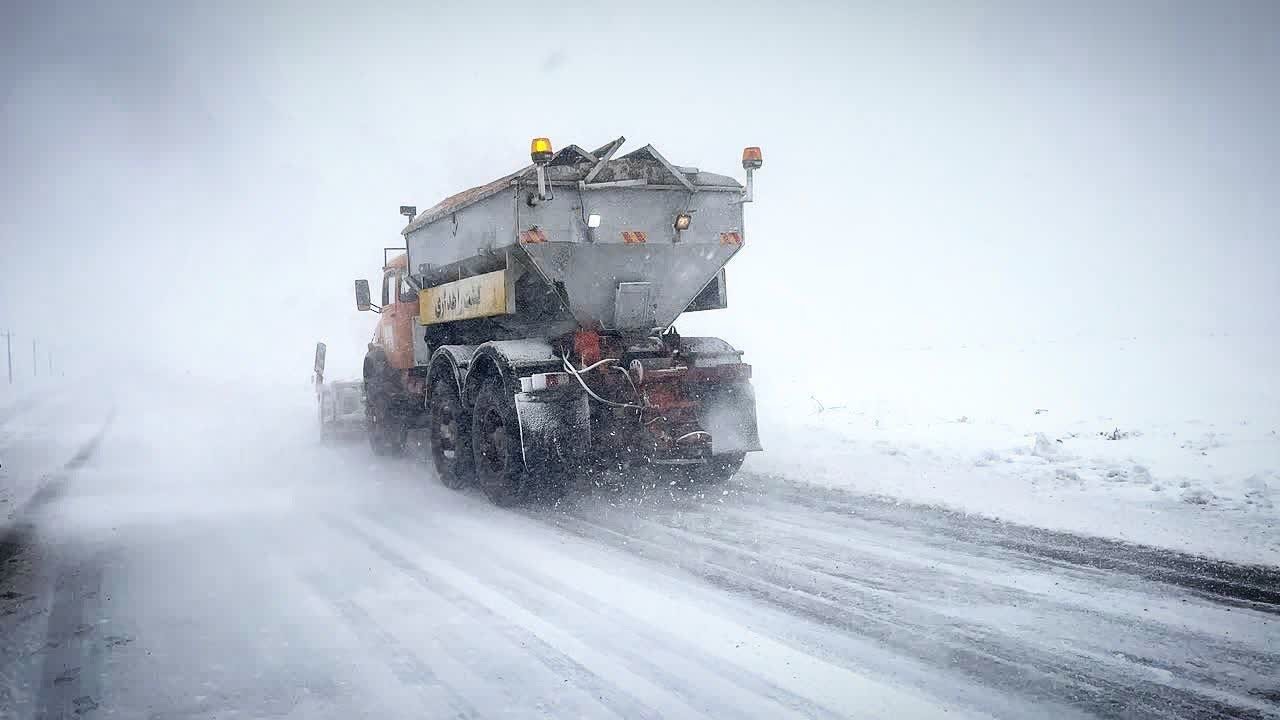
x: 495, y: 441
x: 387, y: 433
x: 450, y: 435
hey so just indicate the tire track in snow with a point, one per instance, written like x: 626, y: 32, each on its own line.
x: 1252, y: 586
x: 1257, y: 586
x: 479, y: 603
x: 408, y: 667
x: 1111, y: 633
x: 742, y: 635
x: 69, y: 683
x: 681, y: 665
x: 1096, y: 679
x: 996, y: 660
x: 908, y: 581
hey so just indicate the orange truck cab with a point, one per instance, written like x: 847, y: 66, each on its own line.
x: 394, y: 332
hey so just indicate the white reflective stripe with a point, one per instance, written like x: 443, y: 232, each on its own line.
x: 544, y: 381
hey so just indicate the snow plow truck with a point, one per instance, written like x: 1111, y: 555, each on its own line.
x: 527, y: 325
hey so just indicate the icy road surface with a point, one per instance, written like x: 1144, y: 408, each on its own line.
x: 193, y: 553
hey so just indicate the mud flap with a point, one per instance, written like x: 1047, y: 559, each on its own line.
x: 728, y: 412
x: 555, y: 431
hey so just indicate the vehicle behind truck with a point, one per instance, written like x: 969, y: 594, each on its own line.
x: 339, y: 403
x: 528, y: 325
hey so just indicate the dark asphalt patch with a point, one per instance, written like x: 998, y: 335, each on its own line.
x: 69, y: 678
x: 12, y: 541
x: 67, y: 682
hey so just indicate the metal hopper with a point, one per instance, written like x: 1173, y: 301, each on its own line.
x: 623, y: 243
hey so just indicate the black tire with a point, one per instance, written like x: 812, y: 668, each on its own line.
x: 716, y: 469
x: 387, y: 432
x: 495, y: 442
x: 449, y: 431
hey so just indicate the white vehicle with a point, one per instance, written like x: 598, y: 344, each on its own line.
x: 340, y: 403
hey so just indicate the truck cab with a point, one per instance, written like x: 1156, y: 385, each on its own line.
x: 393, y: 333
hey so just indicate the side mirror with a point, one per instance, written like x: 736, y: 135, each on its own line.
x: 363, y: 300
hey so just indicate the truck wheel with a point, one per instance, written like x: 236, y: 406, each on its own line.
x: 495, y: 440
x: 450, y: 435
x: 386, y: 433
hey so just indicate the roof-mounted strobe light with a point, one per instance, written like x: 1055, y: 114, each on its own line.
x: 752, y: 159
x: 540, y: 152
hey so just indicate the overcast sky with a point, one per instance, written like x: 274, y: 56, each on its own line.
x: 197, y: 187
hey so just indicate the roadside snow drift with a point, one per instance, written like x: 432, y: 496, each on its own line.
x: 1172, y: 442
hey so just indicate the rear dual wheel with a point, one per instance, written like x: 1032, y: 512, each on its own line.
x: 495, y: 440
x: 483, y: 444
x: 450, y: 429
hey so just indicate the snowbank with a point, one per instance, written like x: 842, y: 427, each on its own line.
x: 1173, y: 442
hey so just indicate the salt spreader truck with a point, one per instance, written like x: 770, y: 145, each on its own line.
x: 528, y: 325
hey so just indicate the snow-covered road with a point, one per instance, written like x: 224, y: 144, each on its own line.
x: 200, y: 556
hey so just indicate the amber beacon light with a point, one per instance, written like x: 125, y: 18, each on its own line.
x: 752, y: 159
x: 540, y: 150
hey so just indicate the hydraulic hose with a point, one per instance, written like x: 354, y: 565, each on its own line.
x: 577, y: 376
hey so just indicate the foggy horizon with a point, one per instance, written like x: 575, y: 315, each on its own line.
x: 197, y: 188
